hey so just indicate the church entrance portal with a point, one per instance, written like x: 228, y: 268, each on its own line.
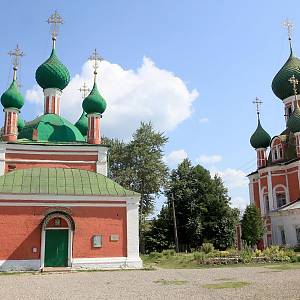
x: 56, y: 248
x: 57, y: 237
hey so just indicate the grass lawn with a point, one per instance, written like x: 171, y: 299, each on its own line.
x: 187, y: 261
x: 170, y: 282
x: 284, y: 267
x: 227, y: 285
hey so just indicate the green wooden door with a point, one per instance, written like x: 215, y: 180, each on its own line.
x: 56, y: 248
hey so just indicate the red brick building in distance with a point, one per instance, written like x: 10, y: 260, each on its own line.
x: 58, y: 208
x: 275, y: 185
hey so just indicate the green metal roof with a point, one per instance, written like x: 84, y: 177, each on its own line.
x: 52, y: 128
x: 260, y: 138
x: 94, y: 102
x: 12, y: 98
x: 281, y: 86
x: 52, y: 73
x: 60, y: 181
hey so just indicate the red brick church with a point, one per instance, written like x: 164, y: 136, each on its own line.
x: 275, y: 185
x: 58, y: 208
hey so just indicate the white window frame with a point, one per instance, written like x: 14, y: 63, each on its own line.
x: 277, y: 151
x: 283, y: 190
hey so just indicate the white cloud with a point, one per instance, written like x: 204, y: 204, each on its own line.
x: 203, y: 120
x: 35, y: 95
x: 240, y: 203
x: 232, y: 178
x: 146, y: 94
x: 176, y: 156
x: 209, y: 159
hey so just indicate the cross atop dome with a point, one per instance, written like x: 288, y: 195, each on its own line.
x: 289, y: 26
x: 55, y: 20
x: 16, y: 55
x: 294, y: 82
x: 258, y: 103
x: 95, y: 58
x: 84, y: 90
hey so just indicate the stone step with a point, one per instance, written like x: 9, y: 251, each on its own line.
x: 56, y: 269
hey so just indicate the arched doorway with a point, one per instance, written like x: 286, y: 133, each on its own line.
x: 56, y: 240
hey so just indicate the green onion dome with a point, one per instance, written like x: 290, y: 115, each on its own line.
x: 94, y: 102
x: 281, y: 86
x: 21, y: 123
x: 293, y: 123
x: 82, y: 124
x: 260, y: 138
x: 52, y: 73
x: 12, y: 98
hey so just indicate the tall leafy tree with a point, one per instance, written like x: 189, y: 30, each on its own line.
x: 252, y: 225
x: 139, y: 166
x: 202, y: 208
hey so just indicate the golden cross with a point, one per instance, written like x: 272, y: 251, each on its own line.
x: 84, y: 89
x: 95, y: 58
x: 258, y: 103
x: 16, y: 54
x: 294, y: 82
x: 55, y: 20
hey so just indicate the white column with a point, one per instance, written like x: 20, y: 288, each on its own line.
x: 53, y: 104
x: 2, y: 158
x: 101, y: 164
x: 133, y: 256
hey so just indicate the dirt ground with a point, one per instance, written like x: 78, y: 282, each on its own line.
x: 217, y: 283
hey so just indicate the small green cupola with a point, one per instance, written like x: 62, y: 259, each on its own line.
x: 82, y: 124
x: 52, y: 73
x: 260, y: 138
x: 280, y: 84
x: 12, y: 98
x: 94, y: 102
x: 20, y: 123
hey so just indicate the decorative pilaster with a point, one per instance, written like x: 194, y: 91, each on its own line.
x: 297, y: 142
x: 261, y: 157
x: 10, y: 130
x: 52, y: 101
x: 93, y: 134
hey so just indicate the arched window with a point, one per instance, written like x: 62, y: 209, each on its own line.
x: 280, y: 196
x: 265, y: 205
x: 277, y: 150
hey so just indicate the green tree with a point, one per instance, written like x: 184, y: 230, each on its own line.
x: 139, y: 166
x: 252, y: 225
x: 202, y: 209
x: 159, y: 235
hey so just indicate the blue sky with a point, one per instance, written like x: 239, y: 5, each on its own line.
x: 215, y: 57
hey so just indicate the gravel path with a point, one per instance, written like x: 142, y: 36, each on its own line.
x: 265, y: 284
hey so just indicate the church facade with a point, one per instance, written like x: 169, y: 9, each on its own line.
x: 275, y: 185
x: 58, y: 208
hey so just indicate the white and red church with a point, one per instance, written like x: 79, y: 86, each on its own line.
x: 58, y: 208
x: 275, y: 185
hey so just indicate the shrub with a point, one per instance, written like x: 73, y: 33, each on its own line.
x: 223, y: 253
x: 276, y: 253
x: 199, y: 256
x: 207, y: 248
x: 168, y: 253
x: 155, y: 255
